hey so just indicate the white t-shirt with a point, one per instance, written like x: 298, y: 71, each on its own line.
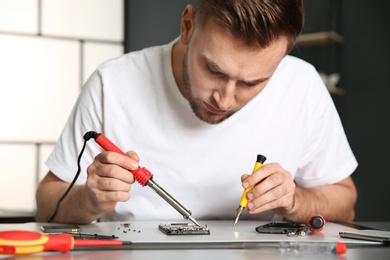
x: 135, y: 102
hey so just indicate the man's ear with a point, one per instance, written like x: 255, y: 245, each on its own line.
x: 187, y: 24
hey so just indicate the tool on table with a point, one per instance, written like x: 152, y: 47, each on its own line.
x: 62, y: 228
x: 368, y: 234
x: 314, y: 248
x: 74, y: 230
x: 19, y: 242
x: 244, y: 200
x: 142, y: 176
x: 92, y: 236
x: 316, y: 223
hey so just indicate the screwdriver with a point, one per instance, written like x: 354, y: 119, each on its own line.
x: 20, y: 242
x: 142, y: 176
x: 316, y: 222
x: 244, y: 200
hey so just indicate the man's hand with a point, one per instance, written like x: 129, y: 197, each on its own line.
x: 109, y: 180
x: 275, y: 190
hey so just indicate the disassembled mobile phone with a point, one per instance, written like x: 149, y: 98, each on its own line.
x: 54, y: 229
x: 289, y: 228
x: 183, y: 229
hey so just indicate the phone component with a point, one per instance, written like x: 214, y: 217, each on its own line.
x: 289, y: 228
x: 183, y: 229
x: 315, y: 224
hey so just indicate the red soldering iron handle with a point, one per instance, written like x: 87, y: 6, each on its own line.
x: 141, y: 175
x: 107, y: 145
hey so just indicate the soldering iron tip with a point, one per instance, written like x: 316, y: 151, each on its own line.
x: 194, y: 221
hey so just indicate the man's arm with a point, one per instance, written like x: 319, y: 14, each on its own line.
x: 334, y: 201
x: 75, y: 208
x: 275, y: 190
x: 108, y: 181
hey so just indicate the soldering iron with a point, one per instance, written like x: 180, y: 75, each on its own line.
x: 142, y: 175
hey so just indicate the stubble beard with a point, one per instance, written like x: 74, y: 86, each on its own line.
x: 196, y: 104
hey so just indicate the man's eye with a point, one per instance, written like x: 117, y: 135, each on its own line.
x: 216, y: 73
x: 250, y: 85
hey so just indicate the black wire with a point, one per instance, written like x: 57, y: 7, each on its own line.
x: 73, y: 182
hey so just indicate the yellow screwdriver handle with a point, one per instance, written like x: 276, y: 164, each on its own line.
x: 259, y: 163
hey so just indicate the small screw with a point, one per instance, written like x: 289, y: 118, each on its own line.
x: 291, y: 234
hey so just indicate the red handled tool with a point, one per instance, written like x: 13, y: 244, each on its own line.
x: 18, y: 242
x: 316, y: 223
x: 142, y: 176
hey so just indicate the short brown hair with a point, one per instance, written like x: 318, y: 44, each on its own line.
x: 256, y: 22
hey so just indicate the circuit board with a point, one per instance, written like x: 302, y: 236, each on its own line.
x: 183, y: 229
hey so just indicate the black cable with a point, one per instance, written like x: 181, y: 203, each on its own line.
x: 73, y: 182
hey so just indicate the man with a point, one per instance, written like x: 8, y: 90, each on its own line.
x: 196, y: 112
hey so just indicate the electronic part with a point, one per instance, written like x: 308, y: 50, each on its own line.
x: 289, y: 228
x: 183, y: 229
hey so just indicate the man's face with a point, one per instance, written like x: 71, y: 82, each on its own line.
x: 221, y: 75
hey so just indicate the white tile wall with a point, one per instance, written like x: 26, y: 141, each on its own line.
x: 43, y: 44
x: 94, y: 53
x: 39, y: 88
x: 19, y: 16
x: 87, y: 19
x: 17, y: 190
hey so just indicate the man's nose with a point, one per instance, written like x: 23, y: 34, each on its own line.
x: 225, y: 95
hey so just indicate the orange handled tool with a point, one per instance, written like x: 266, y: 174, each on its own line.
x: 17, y: 242
x: 316, y: 223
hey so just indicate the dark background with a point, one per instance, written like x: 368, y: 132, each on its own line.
x: 362, y: 60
